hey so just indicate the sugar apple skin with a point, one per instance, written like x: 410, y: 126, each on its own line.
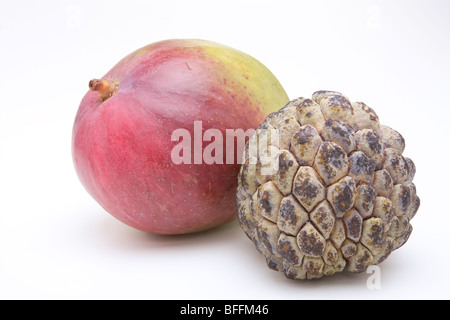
x: 324, y: 188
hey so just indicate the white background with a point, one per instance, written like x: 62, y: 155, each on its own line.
x: 56, y: 242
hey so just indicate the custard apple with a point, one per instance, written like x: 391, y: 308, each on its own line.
x: 324, y: 187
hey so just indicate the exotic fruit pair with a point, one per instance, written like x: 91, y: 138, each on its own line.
x: 322, y: 186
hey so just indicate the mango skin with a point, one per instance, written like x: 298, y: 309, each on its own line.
x: 122, y: 146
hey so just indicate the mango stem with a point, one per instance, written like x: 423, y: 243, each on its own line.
x: 105, y: 88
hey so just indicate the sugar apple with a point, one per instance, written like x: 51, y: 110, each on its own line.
x: 324, y: 187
